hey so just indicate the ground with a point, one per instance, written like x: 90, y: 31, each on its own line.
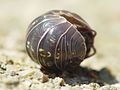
x: 100, y: 72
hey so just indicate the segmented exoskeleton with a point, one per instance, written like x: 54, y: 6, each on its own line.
x: 59, y: 39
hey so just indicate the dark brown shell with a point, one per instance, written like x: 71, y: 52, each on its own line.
x: 58, y: 39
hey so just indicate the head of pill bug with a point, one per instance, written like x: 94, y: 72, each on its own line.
x: 59, y: 40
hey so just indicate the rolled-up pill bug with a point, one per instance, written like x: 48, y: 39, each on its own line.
x: 59, y: 39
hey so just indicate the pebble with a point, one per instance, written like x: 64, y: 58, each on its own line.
x: 26, y: 73
x: 11, y: 81
x: 31, y: 78
x: 44, y: 78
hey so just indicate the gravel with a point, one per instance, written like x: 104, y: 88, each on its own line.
x: 100, y: 72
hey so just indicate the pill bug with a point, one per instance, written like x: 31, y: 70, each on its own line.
x: 59, y: 39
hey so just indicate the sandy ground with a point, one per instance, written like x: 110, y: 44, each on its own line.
x: 100, y: 72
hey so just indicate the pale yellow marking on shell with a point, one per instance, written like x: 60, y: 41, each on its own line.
x: 58, y: 49
x: 32, y: 49
x: 58, y: 53
x: 73, y: 53
x: 44, y: 16
x: 58, y: 56
x: 34, y: 22
x: 42, y: 55
x: 49, y: 54
x: 28, y: 42
x: 51, y: 40
x: 27, y: 46
x: 40, y: 50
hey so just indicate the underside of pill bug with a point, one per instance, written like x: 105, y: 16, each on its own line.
x: 59, y: 39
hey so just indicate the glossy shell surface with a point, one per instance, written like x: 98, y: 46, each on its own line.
x: 54, y: 41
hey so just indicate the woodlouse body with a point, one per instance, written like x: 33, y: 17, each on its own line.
x: 59, y: 39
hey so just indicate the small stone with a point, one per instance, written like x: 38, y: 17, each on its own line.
x: 108, y: 87
x: 3, y: 66
x: 62, y: 83
x: 58, y: 81
x: 13, y: 73
x: 94, y: 85
x: 26, y: 73
x: 10, y: 82
x: 10, y: 62
x: 27, y: 83
x: 76, y: 87
x: 116, y: 85
x: 67, y: 87
x: 37, y: 74
x: 85, y: 87
x: 2, y: 72
x: 44, y: 78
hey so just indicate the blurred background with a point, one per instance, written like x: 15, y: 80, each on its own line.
x: 102, y: 15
